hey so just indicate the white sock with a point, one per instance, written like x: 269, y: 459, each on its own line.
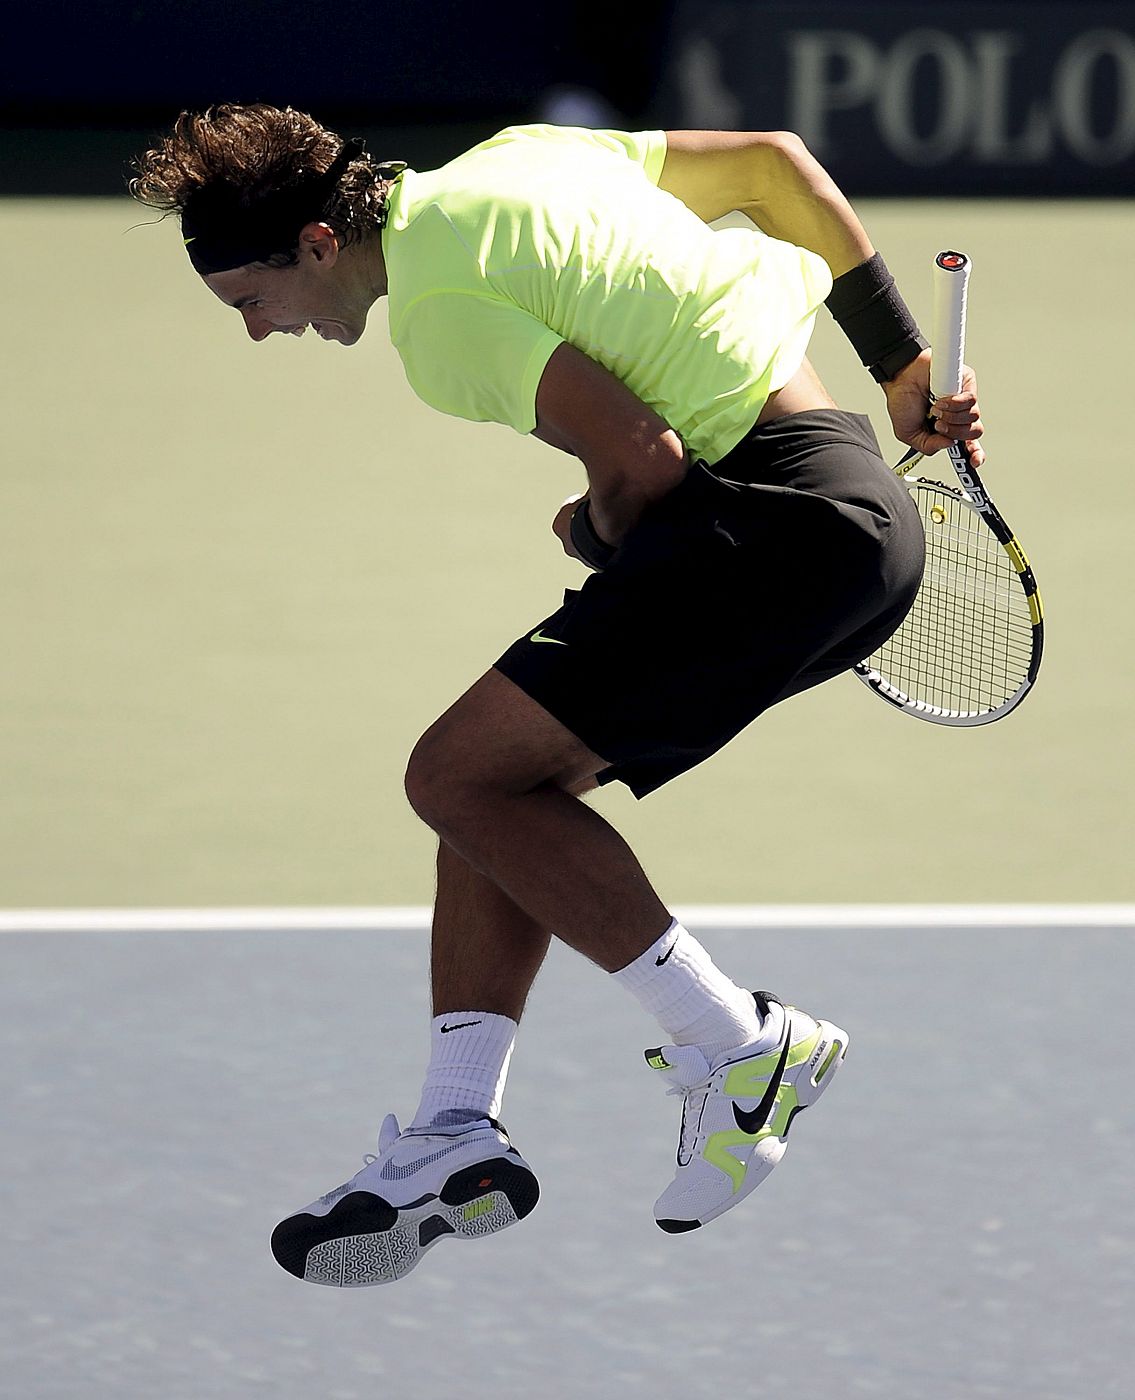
x: 691, y: 999
x: 469, y: 1055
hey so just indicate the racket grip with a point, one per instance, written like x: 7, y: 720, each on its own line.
x: 951, y: 284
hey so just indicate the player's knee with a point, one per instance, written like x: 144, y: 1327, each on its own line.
x: 445, y: 782
x: 429, y: 779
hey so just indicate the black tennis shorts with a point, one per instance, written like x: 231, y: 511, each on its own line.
x: 796, y: 556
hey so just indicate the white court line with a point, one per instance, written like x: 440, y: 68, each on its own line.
x: 415, y: 917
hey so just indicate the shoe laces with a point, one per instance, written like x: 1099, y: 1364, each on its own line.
x: 693, y: 1102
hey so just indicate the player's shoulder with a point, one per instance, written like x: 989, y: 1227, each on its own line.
x: 543, y: 141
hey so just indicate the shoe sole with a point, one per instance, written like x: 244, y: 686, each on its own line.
x: 808, y: 1088
x: 364, y: 1240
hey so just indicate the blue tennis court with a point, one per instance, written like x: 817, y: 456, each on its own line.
x: 956, y: 1221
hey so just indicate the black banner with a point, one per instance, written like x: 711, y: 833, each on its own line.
x: 379, y: 55
x: 962, y: 99
x: 895, y: 98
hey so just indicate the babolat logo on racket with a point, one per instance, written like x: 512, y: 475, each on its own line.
x: 972, y: 489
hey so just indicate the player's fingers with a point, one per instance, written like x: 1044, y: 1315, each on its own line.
x: 955, y: 405
x: 960, y: 430
x: 929, y: 442
x: 959, y: 402
x: 957, y: 422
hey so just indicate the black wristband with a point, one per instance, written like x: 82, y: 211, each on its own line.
x: 870, y: 311
x: 594, y: 552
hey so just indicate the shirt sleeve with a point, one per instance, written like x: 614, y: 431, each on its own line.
x: 645, y: 148
x: 475, y: 357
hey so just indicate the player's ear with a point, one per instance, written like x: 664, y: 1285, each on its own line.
x: 319, y: 241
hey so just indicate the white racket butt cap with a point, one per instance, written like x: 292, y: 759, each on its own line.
x: 951, y: 284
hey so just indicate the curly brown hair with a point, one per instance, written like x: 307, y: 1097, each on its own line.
x: 254, y: 152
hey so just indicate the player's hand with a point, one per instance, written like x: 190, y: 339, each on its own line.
x: 951, y: 418
x: 561, y: 524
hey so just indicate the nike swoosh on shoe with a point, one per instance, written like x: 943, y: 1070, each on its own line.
x: 753, y: 1121
x: 399, y: 1171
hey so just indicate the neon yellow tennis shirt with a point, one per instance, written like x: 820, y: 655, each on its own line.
x: 544, y: 234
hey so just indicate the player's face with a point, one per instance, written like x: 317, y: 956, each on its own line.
x: 317, y: 291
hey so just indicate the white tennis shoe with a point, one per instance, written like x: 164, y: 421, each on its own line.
x: 736, y: 1112
x: 459, y: 1182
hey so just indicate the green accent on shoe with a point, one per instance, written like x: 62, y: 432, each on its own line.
x: 657, y: 1060
x: 476, y: 1208
x: 787, y: 1102
x: 717, y: 1153
x: 828, y: 1058
x: 748, y: 1079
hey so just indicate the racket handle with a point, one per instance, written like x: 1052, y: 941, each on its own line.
x: 951, y: 283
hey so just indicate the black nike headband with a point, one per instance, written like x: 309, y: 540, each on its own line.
x: 222, y: 230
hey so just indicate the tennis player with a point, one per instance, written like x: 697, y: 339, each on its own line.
x: 746, y: 542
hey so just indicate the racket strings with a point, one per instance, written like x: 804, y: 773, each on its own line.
x: 966, y: 644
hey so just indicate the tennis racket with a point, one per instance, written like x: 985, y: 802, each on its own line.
x: 970, y: 647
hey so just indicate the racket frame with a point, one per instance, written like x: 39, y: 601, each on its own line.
x: 950, y: 288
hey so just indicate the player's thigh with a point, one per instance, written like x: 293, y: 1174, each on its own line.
x: 688, y: 635
x: 497, y: 736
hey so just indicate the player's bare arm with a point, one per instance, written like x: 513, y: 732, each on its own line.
x: 631, y: 455
x: 772, y: 178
